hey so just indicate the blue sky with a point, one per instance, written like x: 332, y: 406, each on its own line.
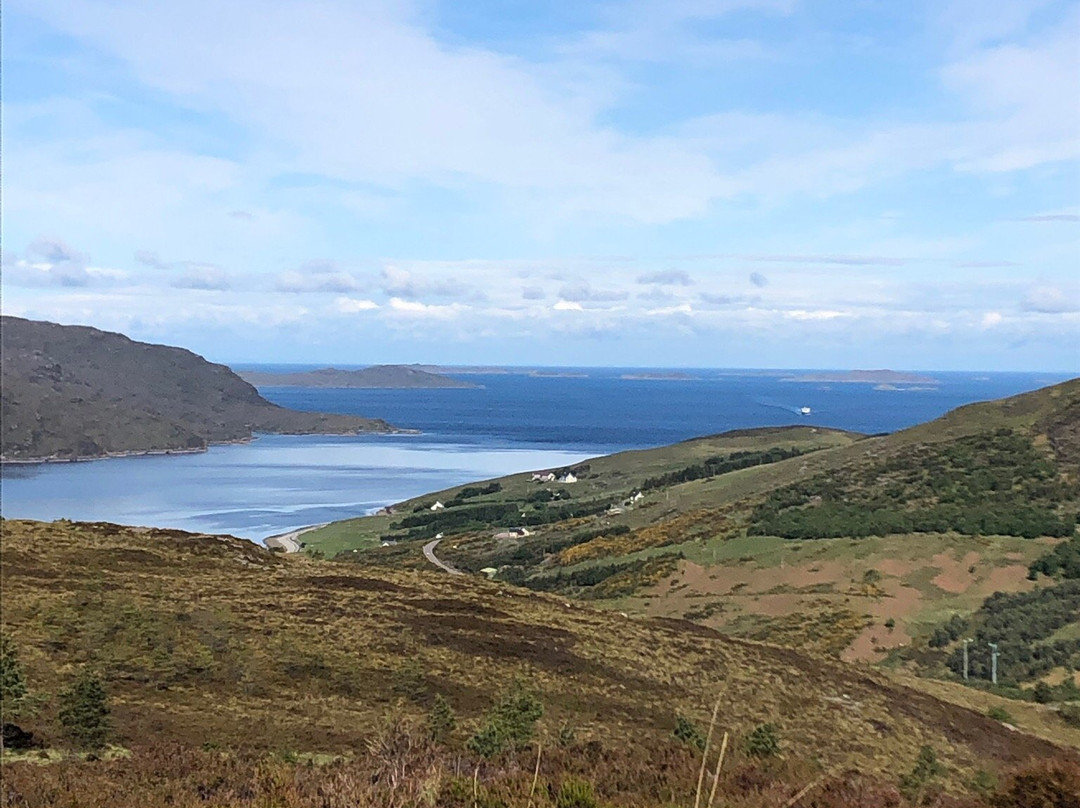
x: 736, y: 183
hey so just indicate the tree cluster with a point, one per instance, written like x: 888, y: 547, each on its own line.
x: 721, y: 464
x: 994, y: 483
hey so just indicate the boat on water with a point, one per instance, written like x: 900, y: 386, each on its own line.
x: 804, y: 410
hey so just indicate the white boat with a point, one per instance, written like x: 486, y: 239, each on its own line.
x: 804, y: 411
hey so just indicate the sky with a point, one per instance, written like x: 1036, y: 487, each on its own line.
x: 709, y: 183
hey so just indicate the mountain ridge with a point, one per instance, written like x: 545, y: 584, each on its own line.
x: 76, y: 392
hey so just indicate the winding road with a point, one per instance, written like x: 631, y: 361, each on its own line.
x: 429, y: 554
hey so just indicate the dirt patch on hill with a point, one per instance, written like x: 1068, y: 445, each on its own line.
x: 544, y: 646
x: 450, y: 606
x: 956, y: 574
x: 354, y: 582
x: 1009, y: 579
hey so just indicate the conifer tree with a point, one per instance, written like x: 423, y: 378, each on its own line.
x: 12, y: 683
x: 84, y: 711
x: 441, y: 721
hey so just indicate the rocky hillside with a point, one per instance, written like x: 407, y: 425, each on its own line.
x: 76, y: 392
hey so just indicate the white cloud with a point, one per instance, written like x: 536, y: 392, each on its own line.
x: 568, y: 305
x: 414, y: 308
x: 992, y: 319
x: 666, y: 311
x: 819, y: 314
x: 351, y: 305
x: 1051, y: 299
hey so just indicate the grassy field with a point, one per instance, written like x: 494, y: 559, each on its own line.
x: 748, y: 585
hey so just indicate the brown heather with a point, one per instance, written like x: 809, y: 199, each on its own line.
x: 213, y: 642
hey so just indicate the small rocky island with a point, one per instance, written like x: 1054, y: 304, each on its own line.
x: 864, y: 377
x: 73, y: 392
x: 374, y: 377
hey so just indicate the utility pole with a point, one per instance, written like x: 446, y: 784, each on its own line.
x: 966, y: 643
x: 993, y: 662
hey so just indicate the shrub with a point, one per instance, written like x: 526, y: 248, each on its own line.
x: 763, y: 741
x: 567, y: 736
x: 410, y: 683
x: 890, y: 624
x: 1049, y: 784
x: 574, y: 793
x: 915, y: 784
x: 516, y: 714
x: 84, y: 711
x: 1070, y: 714
x: 1000, y: 714
x: 1042, y: 693
x: 687, y: 732
x: 984, y: 783
x: 511, y: 722
x: 12, y: 682
x: 441, y: 721
x: 486, y: 742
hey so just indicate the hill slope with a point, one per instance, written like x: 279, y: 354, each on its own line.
x: 208, y: 640
x: 374, y: 377
x: 73, y: 391
x: 847, y: 544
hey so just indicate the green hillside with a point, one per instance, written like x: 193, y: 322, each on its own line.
x: 844, y: 544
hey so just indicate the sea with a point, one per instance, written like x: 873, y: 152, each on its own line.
x: 513, y: 421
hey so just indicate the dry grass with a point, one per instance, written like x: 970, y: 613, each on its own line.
x: 211, y: 640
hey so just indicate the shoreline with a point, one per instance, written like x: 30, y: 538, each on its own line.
x: 31, y: 461
x: 288, y: 541
x: 56, y: 459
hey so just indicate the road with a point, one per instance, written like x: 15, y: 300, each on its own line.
x: 429, y: 554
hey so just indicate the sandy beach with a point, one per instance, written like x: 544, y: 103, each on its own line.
x: 289, y: 542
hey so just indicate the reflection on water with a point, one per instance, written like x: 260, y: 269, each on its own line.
x: 274, y: 484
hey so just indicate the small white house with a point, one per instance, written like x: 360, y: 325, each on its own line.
x: 568, y: 478
x: 438, y: 506
x: 513, y: 533
x: 637, y: 497
x: 543, y: 477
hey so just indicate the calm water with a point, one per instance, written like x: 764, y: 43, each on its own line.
x: 515, y: 422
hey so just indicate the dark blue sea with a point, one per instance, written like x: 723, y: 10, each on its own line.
x: 513, y: 421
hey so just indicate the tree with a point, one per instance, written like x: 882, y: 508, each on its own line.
x: 12, y: 684
x: 441, y: 721
x: 511, y: 721
x: 516, y: 714
x: 915, y: 783
x: 84, y: 711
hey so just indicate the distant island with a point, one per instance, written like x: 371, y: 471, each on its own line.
x: 864, y: 377
x: 658, y: 377
x: 375, y: 377
x: 73, y: 392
